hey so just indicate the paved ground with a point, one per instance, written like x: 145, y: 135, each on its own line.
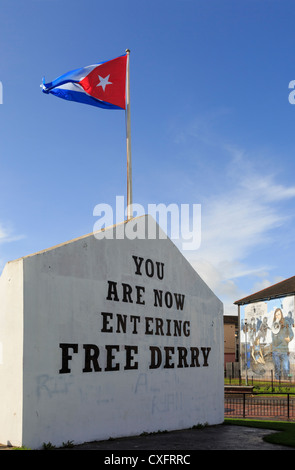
x: 220, y: 437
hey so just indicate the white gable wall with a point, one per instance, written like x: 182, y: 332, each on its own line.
x: 11, y: 353
x: 65, y: 303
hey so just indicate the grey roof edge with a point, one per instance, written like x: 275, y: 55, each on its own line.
x: 281, y: 289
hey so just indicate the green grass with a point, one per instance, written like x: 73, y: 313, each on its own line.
x: 264, y: 386
x: 285, y: 435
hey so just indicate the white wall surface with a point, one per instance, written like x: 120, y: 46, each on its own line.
x: 66, y: 308
x: 11, y: 353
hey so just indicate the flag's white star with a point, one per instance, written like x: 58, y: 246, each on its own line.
x: 104, y: 82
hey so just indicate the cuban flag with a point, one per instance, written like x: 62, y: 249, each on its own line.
x: 102, y: 85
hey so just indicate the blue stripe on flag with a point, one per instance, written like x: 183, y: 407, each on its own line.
x: 81, y: 97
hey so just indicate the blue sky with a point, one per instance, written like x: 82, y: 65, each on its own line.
x: 210, y: 118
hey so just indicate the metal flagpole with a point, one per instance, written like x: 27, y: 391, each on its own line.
x: 128, y: 141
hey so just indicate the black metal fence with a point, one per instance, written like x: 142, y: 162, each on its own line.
x: 260, y: 406
x: 267, y: 383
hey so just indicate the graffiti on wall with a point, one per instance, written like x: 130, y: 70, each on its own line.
x: 267, y: 337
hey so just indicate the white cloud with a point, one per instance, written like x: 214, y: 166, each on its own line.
x: 6, y: 236
x: 237, y: 221
x: 264, y: 283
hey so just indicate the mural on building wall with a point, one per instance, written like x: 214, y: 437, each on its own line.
x: 267, y: 338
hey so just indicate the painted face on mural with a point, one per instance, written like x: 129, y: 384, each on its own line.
x: 278, y: 316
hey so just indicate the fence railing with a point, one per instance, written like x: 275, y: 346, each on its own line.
x: 267, y: 382
x: 260, y: 405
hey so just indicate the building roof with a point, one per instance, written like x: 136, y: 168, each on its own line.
x: 281, y: 289
x: 230, y: 320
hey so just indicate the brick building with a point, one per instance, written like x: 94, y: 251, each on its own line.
x: 231, y: 338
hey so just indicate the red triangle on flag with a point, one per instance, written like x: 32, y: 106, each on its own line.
x: 107, y: 82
